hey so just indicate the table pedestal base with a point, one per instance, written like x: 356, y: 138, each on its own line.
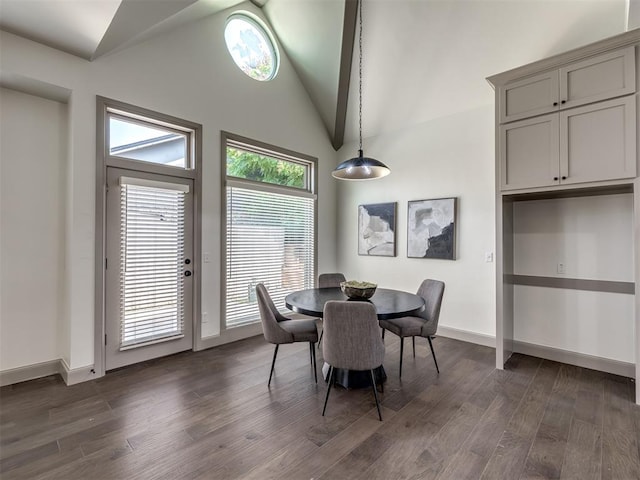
x: 355, y: 378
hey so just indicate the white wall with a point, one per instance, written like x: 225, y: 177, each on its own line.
x: 33, y: 139
x: 593, y: 238
x: 449, y: 157
x: 633, y: 14
x: 186, y: 73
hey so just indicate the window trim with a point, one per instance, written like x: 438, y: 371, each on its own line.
x: 260, y: 25
x: 142, y: 116
x: 273, y: 151
x: 137, y: 119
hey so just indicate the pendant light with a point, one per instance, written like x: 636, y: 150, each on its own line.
x: 360, y: 167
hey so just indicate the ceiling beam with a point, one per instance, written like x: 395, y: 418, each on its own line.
x: 346, y: 59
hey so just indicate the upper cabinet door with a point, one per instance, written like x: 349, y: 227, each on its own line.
x: 594, y: 79
x: 528, y: 97
x: 598, y: 142
x: 529, y: 153
x: 598, y: 78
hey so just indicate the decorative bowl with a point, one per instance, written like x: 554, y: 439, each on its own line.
x: 356, y: 290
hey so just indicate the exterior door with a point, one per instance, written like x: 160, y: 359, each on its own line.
x: 149, y: 299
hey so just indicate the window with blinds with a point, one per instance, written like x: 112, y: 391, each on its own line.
x: 152, y: 253
x: 270, y: 228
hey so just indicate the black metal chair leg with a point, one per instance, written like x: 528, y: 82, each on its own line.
x: 375, y: 394
x: 401, y: 353
x: 413, y: 340
x: 434, y: 354
x: 313, y: 356
x: 383, y: 330
x: 273, y: 364
x: 326, y: 399
x: 321, y: 333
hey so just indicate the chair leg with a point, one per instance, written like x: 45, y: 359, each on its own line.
x: 321, y: 333
x: 413, y: 340
x: 326, y: 399
x: 433, y: 353
x: 273, y: 364
x: 375, y: 394
x: 383, y: 330
x: 401, y: 353
x: 312, y: 347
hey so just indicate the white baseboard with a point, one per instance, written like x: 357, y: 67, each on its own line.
x: 44, y: 369
x: 76, y: 375
x: 29, y: 372
x: 83, y: 374
x: 616, y: 367
x: 466, y: 336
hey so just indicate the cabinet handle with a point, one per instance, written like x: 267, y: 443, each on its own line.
x: 555, y: 104
x: 564, y: 177
x: 564, y: 101
x: 555, y: 179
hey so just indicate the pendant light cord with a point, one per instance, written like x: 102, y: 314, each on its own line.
x: 360, y: 79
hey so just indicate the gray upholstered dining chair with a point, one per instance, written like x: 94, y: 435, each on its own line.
x: 424, y: 324
x: 328, y: 280
x: 352, y: 341
x: 279, y: 329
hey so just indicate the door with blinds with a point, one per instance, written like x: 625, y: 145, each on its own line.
x: 149, y: 268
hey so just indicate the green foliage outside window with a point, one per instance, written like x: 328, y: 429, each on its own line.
x: 260, y: 168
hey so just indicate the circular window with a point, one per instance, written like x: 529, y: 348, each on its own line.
x: 251, y: 47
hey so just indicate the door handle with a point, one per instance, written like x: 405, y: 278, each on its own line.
x: 187, y: 273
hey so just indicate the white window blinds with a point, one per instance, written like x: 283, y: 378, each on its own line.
x: 270, y: 239
x: 151, y: 265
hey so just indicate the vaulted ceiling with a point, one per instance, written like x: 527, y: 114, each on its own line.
x: 423, y: 59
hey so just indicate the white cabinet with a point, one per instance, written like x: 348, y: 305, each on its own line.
x: 587, y: 144
x: 530, y: 153
x: 535, y: 95
x: 598, y: 142
x: 591, y: 80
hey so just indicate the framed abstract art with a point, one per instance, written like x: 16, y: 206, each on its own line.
x: 431, y: 228
x: 377, y: 229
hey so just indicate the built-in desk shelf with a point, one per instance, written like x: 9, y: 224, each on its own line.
x: 548, y: 165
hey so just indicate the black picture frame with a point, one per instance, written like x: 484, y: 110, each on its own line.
x: 377, y: 229
x: 432, y: 227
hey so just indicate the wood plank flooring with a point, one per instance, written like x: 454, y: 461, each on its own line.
x: 210, y: 415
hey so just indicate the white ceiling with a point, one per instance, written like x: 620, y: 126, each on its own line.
x: 428, y: 59
x: 423, y: 59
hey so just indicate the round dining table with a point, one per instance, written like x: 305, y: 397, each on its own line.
x: 389, y: 304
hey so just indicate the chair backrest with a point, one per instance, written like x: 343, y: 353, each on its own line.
x: 351, y: 337
x: 328, y: 280
x: 432, y: 292
x: 270, y: 317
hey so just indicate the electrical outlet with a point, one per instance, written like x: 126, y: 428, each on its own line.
x: 488, y: 257
x: 206, y: 256
x: 561, y: 268
x: 205, y: 317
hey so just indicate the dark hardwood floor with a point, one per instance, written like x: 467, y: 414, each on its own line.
x: 210, y: 415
